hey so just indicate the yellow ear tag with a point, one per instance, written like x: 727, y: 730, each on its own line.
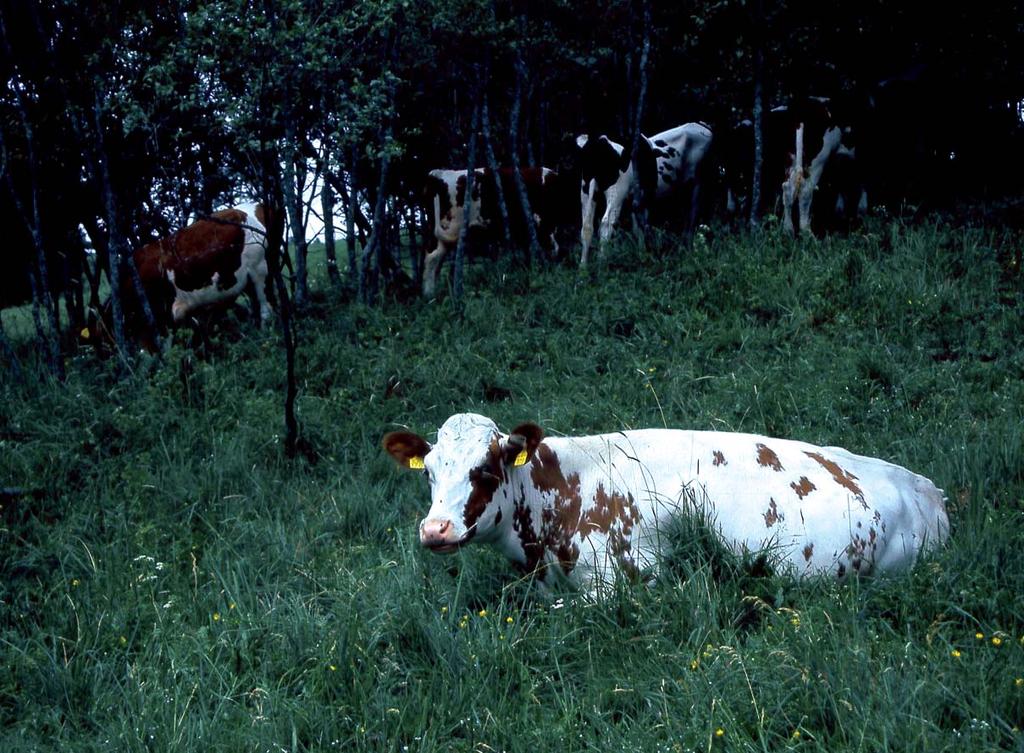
x: 416, y: 463
x: 520, y: 459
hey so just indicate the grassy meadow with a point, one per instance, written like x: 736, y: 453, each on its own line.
x: 175, y: 584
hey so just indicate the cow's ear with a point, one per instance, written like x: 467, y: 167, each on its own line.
x: 581, y: 140
x: 406, y: 448
x: 518, y: 449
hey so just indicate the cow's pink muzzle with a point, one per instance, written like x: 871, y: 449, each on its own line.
x: 438, y: 535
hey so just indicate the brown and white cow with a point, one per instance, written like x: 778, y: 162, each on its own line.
x: 579, y: 510
x: 668, y: 164
x: 446, y: 193
x: 207, y: 264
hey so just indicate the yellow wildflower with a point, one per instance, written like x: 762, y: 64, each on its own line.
x: 74, y: 582
x: 482, y: 613
x: 216, y: 616
x: 332, y: 667
x: 719, y: 732
x: 997, y: 641
x: 796, y: 734
x: 1019, y: 682
x: 980, y: 636
x: 955, y: 653
x: 694, y: 664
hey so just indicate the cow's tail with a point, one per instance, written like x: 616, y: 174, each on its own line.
x: 440, y: 232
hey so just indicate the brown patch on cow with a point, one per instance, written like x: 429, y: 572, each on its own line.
x: 719, y: 458
x: 766, y: 456
x: 533, y: 550
x: 561, y: 521
x: 208, y: 248
x: 772, y: 514
x: 841, y: 476
x: 610, y: 511
x: 614, y: 515
x: 808, y: 552
x: 858, y: 549
x: 803, y: 488
x: 482, y: 490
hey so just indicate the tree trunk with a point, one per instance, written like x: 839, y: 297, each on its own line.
x: 369, y: 268
x: 330, y: 252
x: 294, y: 178
x: 534, y: 252
x: 639, y: 189
x: 140, y: 293
x: 271, y: 195
x: 291, y: 424
x: 116, y: 246
x: 40, y: 286
x: 14, y: 365
x: 467, y: 203
x: 350, y: 222
x: 758, y: 113
x: 492, y: 163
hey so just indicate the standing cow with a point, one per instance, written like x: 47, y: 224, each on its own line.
x: 809, y: 157
x: 577, y: 510
x: 446, y: 194
x: 668, y: 164
x: 207, y: 264
x: 820, y: 143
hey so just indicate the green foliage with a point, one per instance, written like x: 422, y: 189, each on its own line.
x: 176, y: 584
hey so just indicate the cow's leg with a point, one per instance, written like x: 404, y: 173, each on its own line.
x: 432, y: 268
x: 258, y: 278
x: 588, y: 201
x: 804, y: 204
x: 616, y: 196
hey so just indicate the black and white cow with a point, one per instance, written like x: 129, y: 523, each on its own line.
x: 446, y: 193
x: 809, y: 152
x: 821, y: 144
x: 668, y: 164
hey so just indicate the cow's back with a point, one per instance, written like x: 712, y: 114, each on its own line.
x: 822, y: 510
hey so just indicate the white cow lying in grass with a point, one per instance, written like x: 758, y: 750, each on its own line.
x: 578, y: 509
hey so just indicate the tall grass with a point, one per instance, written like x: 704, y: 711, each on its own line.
x: 176, y: 584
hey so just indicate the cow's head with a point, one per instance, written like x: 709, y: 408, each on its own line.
x: 466, y: 468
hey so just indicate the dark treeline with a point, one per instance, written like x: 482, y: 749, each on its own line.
x: 127, y: 120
